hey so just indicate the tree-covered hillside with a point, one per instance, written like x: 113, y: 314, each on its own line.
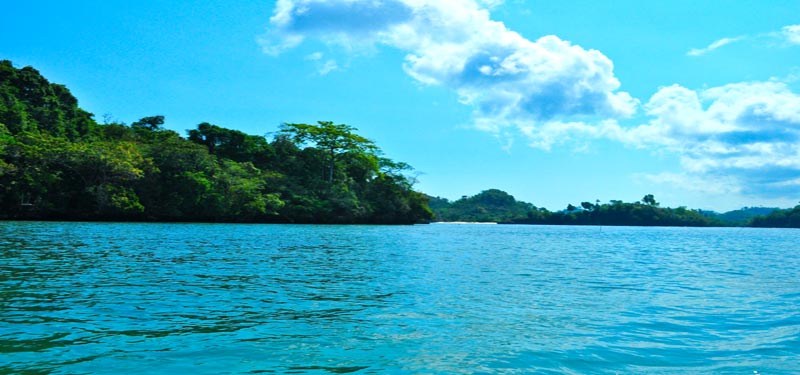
x: 491, y: 205
x: 743, y: 215
x: 56, y: 162
x: 788, y: 218
x: 646, y: 212
x: 497, y: 206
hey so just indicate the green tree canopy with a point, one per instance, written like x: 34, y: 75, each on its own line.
x: 57, y: 163
x: 29, y: 102
x: 153, y: 123
x: 788, y: 218
x: 232, y: 144
x: 335, y: 139
x: 649, y: 200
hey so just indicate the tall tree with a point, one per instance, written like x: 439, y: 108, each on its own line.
x: 334, y: 139
x: 153, y: 123
x: 649, y: 200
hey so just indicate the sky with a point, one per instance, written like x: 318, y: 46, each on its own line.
x: 559, y: 102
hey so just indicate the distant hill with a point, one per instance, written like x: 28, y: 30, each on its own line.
x: 788, y: 218
x: 744, y: 215
x: 498, y: 206
x: 491, y: 205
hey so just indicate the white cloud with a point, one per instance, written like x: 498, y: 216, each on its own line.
x: 349, y: 23
x: 707, y: 185
x: 739, y: 138
x: 491, y: 4
x: 328, y: 67
x: 510, y: 81
x: 546, y: 135
x: 316, y: 56
x: 717, y: 44
x: 792, y: 33
x: 323, y: 68
x: 748, y: 133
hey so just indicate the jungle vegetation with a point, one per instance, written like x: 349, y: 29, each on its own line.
x: 788, y: 218
x: 58, y: 163
x: 498, y: 206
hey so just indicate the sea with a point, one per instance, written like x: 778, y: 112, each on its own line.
x: 143, y: 298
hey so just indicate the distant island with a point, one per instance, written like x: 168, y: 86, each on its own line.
x: 58, y: 163
x: 495, y: 205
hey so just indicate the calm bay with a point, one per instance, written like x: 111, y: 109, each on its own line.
x: 132, y: 298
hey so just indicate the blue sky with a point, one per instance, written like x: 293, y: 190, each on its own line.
x: 560, y: 102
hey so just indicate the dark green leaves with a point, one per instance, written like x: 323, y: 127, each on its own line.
x: 57, y: 163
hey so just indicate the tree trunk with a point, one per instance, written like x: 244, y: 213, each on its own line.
x: 330, y: 170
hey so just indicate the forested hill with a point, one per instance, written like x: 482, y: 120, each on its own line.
x: 788, y: 218
x: 56, y: 162
x: 498, y: 206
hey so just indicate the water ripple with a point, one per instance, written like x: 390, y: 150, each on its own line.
x: 250, y: 299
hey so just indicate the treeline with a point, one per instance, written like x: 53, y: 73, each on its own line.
x: 57, y: 162
x: 498, y: 206
x: 788, y: 218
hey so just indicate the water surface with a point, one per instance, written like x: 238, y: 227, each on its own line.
x: 98, y: 298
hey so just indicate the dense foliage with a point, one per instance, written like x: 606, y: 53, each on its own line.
x: 743, y: 215
x: 644, y: 213
x: 489, y: 206
x: 498, y: 206
x: 56, y: 162
x: 789, y: 218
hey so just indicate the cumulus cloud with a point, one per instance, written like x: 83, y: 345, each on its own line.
x: 747, y: 134
x: 345, y: 22
x: 791, y: 33
x: 510, y: 81
x: 717, y: 44
x: 740, y: 138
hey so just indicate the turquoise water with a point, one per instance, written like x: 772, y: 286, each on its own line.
x: 81, y: 298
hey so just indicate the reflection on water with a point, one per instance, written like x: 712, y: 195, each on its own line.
x: 246, y: 299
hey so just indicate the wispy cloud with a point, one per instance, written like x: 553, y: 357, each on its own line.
x: 491, y: 3
x: 316, y: 56
x: 791, y: 33
x: 323, y: 68
x: 327, y: 67
x: 717, y: 44
x: 706, y: 185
